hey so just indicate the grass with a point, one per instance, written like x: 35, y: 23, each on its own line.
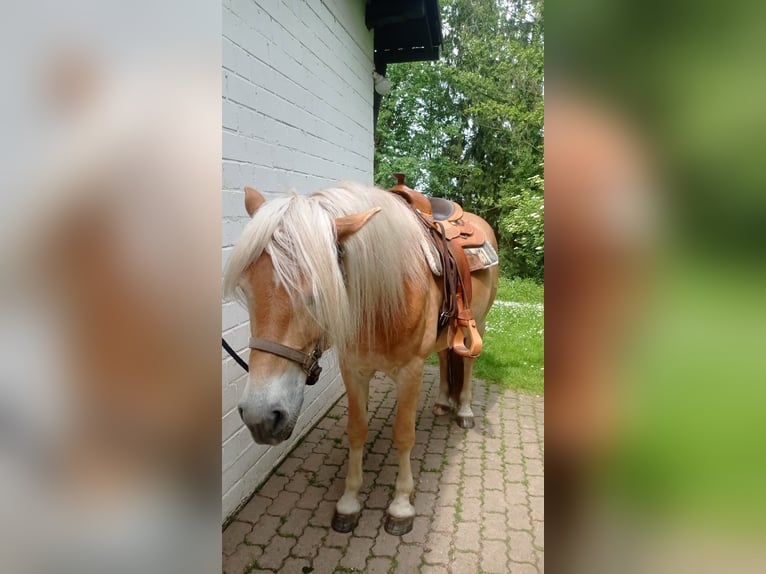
x: 513, y: 354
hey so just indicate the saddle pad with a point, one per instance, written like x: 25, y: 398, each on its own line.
x: 478, y: 258
x: 481, y: 257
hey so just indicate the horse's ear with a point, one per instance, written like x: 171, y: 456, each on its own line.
x: 253, y: 200
x: 350, y: 224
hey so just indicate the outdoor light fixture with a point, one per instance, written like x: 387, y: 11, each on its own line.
x: 382, y: 84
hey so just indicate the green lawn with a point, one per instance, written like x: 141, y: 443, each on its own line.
x: 513, y: 354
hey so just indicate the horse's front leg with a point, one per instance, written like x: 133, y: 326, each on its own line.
x: 357, y: 390
x: 401, y: 512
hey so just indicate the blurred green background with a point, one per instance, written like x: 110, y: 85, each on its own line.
x: 690, y: 443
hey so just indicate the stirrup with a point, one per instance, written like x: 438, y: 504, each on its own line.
x: 475, y: 344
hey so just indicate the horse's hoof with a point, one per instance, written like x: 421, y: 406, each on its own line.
x: 344, y: 522
x: 465, y: 422
x: 398, y: 526
x: 440, y: 410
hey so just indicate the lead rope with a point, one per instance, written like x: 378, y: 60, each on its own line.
x: 234, y: 355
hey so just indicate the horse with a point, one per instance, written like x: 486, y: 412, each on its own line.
x: 349, y: 267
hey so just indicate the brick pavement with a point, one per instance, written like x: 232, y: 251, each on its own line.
x: 478, y: 494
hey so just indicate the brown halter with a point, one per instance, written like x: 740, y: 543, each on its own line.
x: 309, y: 362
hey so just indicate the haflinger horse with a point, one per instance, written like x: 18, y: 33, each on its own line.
x: 349, y: 267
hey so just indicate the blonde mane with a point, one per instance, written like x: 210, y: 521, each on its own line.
x: 298, y: 233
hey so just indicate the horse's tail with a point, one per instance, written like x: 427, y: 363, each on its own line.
x: 455, y: 375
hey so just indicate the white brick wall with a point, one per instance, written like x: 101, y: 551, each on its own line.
x: 297, y: 113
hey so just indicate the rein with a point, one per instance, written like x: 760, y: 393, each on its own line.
x: 309, y: 362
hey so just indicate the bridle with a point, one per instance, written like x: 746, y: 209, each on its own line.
x: 309, y: 362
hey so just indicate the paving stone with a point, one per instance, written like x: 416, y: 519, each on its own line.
x: 419, y: 530
x: 298, y: 483
x: 242, y: 559
x: 436, y: 446
x: 443, y: 520
x: 325, y: 475
x: 290, y: 466
x: 493, y: 557
x: 337, y: 539
x: 336, y: 489
x: 450, y: 474
x: 379, y: 497
x: 337, y: 456
x: 437, y: 549
x: 312, y: 497
x: 534, y: 467
x: 432, y: 462
x: 514, y: 472
x: 314, y: 462
x: 515, y: 493
x: 518, y: 517
x: 428, y: 482
x: 275, y: 552
x: 283, y: 503
x: 538, y: 533
x: 309, y: 542
x: 378, y: 566
x: 387, y: 476
x: 493, y: 480
x: 471, y: 507
x: 369, y: 523
x: 467, y: 536
x: 357, y: 553
x: 264, y: 531
x: 537, y: 506
x: 254, y: 509
x: 513, y: 455
x: 323, y: 513
x: 274, y: 486
x: 234, y: 535
x: 472, y: 468
x: 385, y: 544
x: 531, y: 450
x: 425, y: 502
x: 427, y: 569
x: 522, y: 549
x: 516, y: 568
x: 465, y: 563
x: 536, y: 486
x: 327, y: 561
x: 295, y: 565
x: 493, y: 526
x: 447, y: 495
x: 295, y: 523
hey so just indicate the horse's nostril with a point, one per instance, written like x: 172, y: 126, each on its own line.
x: 241, y: 412
x: 278, y: 418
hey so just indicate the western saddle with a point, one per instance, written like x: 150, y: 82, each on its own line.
x: 452, y: 236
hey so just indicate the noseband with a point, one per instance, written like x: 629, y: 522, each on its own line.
x: 308, y: 362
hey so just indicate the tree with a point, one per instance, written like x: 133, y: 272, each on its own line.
x: 470, y: 126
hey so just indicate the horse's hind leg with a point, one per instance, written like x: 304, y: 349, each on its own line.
x: 464, y: 411
x: 463, y: 406
x: 357, y: 390
x: 442, y: 403
x: 401, y: 512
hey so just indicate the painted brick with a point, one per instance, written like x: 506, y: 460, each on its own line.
x: 297, y: 114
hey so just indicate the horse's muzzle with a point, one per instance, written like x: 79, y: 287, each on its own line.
x: 268, y: 424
